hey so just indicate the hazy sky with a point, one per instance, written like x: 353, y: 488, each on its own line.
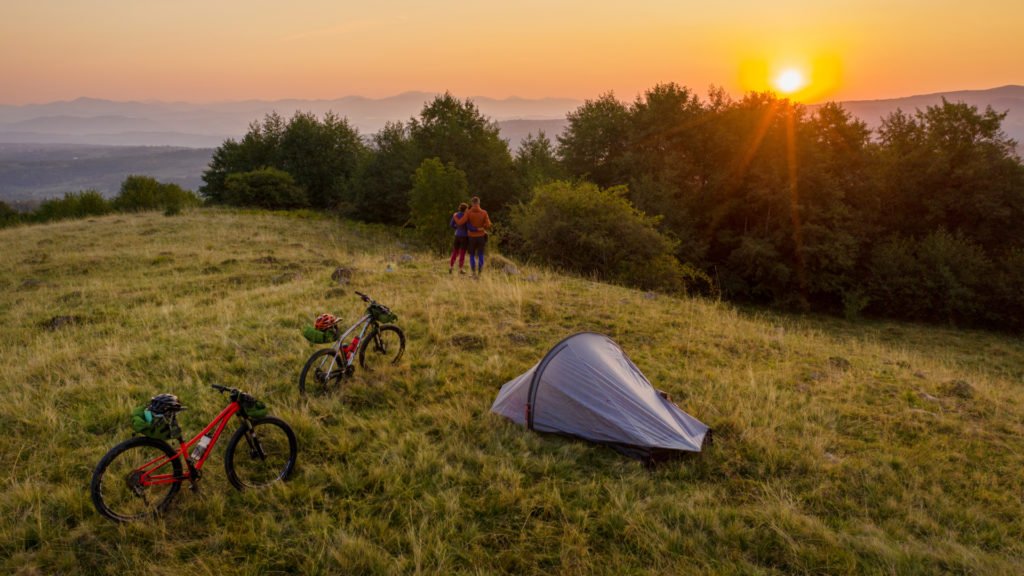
x: 211, y: 50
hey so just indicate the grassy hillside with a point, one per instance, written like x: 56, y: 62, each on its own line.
x: 839, y: 448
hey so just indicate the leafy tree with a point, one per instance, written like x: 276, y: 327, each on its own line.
x: 437, y: 190
x: 951, y: 166
x: 536, y: 162
x: 382, y: 194
x: 594, y: 143
x: 258, y: 148
x: 321, y: 155
x: 264, y: 188
x: 455, y: 132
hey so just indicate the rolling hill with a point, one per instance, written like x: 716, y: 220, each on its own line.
x: 839, y: 447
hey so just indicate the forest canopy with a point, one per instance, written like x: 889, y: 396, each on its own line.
x: 762, y: 199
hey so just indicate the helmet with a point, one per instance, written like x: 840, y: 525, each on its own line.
x: 325, y: 322
x: 165, y: 404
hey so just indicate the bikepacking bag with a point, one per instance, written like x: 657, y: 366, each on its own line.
x: 382, y: 314
x: 252, y: 407
x: 159, y: 426
x: 318, y: 336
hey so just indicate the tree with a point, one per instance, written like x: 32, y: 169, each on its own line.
x: 456, y: 132
x: 951, y: 166
x: 382, y: 194
x: 321, y: 155
x: 594, y: 142
x: 264, y: 188
x: 436, y: 192
x: 536, y: 162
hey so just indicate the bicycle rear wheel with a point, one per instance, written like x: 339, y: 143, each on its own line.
x: 260, y: 455
x: 116, y: 487
x: 385, y: 345
x: 325, y: 369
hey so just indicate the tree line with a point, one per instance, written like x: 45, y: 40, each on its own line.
x: 137, y: 193
x: 759, y: 199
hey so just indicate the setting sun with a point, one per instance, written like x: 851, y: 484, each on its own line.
x: 790, y: 81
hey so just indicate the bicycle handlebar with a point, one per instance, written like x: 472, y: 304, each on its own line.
x: 364, y: 296
x: 220, y: 388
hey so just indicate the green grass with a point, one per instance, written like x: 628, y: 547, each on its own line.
x: 839, y: 447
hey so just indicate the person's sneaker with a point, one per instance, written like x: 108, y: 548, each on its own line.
x: 449, y: 270
x: 461, y: 271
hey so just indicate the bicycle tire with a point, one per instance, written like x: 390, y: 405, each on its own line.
x: 111, y: 488
x: 322, y: 376
x: 388, y: 345
x: 267, y: 455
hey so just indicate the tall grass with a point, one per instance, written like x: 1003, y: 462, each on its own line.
x: 839, y: 447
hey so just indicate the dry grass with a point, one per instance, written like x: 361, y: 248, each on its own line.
x: 840, y: 448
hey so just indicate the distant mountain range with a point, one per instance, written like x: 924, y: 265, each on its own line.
x: 92, y: 121
x: 49, y: 149
x: 1008, y: 99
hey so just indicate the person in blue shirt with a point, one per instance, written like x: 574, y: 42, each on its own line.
x: 461, y: 238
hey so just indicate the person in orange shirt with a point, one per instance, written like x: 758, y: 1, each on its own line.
x: 478, y: 218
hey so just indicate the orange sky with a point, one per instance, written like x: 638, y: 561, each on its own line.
x: 209, y: 50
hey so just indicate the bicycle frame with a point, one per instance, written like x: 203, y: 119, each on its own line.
x: 365, y: 322
x: 146, y: 476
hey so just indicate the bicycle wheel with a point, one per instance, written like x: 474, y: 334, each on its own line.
x: 385, y: 345
x: 116, y: 490
x: 324, y: 369
x: 260, y: 455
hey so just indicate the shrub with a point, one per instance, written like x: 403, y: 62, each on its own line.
x: 583, y: 228
x: 8, y: 216
x: 73, y: 205
x: 141, y: 193
x: 264, y: 188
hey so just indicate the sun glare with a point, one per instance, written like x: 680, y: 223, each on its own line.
x: 790, y: 81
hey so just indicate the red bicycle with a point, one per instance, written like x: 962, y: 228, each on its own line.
x: 139, y: 477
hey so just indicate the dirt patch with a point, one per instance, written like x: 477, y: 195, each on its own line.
x: 58, y: 322
x: 959, y: 388
x: 343, y: 275
x: 468, y: 341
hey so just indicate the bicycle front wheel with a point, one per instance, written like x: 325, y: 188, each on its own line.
x: 117, y: 483
x: 325, y: 369
x: 385, y: 345
x: 261, y: 453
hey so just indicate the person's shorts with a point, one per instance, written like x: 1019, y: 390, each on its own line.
x: 476, y: 244
x: 461, y: 243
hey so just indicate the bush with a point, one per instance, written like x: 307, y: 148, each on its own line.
x: 940, y: 277
x: 141, y: 193
x: 73, y: 205
x: 583, y: 228
x: 8, y: 216
x: 264, y: 188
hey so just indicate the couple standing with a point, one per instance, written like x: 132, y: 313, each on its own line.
x: 471, y: 224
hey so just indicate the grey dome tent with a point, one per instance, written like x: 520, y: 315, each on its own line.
x: 588, y: 388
